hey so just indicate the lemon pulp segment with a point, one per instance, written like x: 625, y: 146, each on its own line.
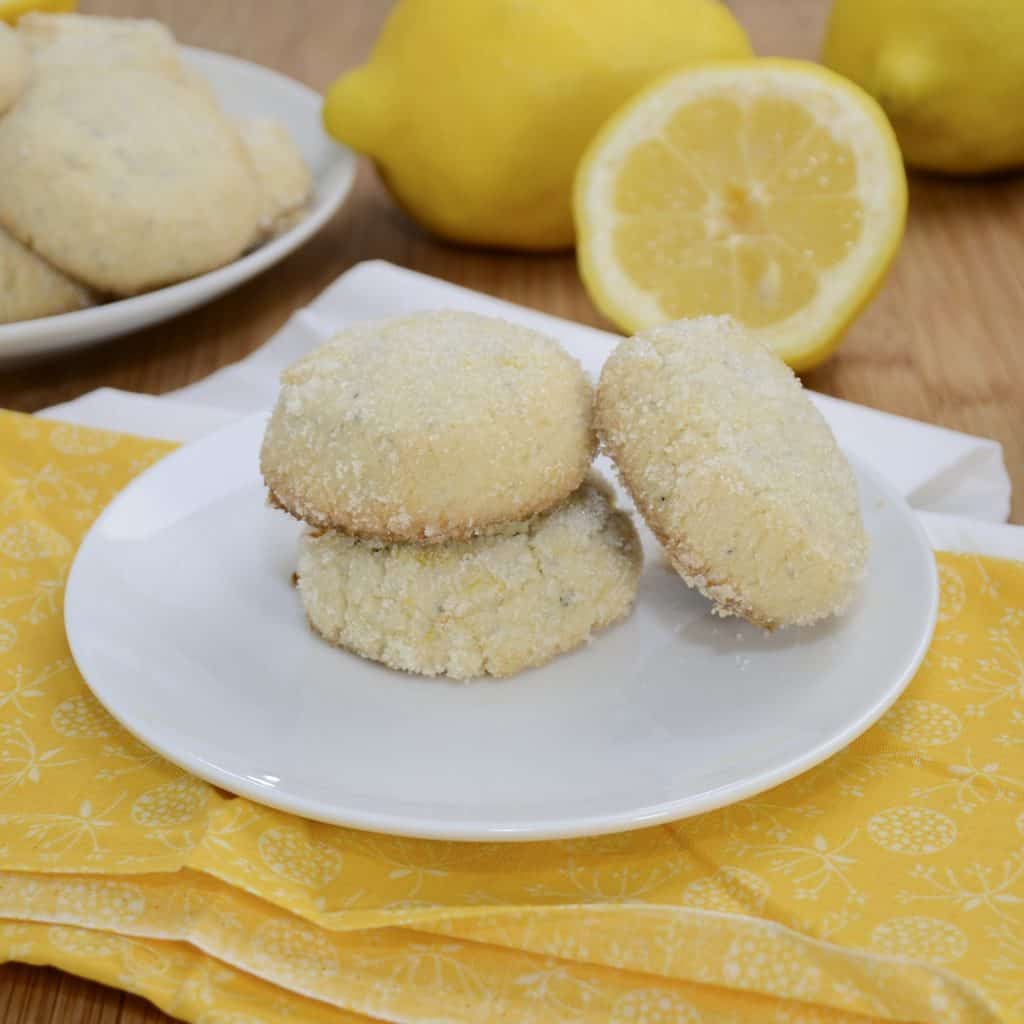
x: 764, y: 190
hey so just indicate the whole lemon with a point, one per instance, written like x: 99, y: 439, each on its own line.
x: 476, y: 111
x: 949, y: 74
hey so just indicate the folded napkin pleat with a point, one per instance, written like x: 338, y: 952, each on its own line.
x: 189, y: 984
x: 174, y: 976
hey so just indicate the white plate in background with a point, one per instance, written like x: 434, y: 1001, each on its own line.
x: 243, y: 88
x: 183, y: 620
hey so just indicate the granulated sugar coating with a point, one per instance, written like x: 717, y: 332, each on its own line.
x: 734, y: 470
x: 428, y: 428
x: 493, y: 605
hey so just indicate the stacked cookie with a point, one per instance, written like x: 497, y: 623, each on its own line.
x: 442, y: 464
x: 120, y: 171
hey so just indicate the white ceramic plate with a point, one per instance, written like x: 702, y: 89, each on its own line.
x: 183, y: 620
x: 242, y: 88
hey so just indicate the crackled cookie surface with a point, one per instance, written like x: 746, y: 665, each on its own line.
x: 492, y: 605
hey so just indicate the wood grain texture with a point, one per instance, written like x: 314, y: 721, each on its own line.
x: 941, y: 342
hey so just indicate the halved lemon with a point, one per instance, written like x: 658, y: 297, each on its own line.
x: 769, y: 190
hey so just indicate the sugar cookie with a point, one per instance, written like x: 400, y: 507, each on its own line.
x: 734, y: 470
x: 429, y: 427
x: 492, y: 605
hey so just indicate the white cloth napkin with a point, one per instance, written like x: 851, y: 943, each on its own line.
x: 956, y: 482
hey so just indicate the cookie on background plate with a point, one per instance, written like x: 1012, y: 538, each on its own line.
x: 734, y: 470
x: 30, y: 287
x: 145, y: 182
x: 284, y: 179
x: 429, y: 427
x: 492, y: 605
x: 79, y: 41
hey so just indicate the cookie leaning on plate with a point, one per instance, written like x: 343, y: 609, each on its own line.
x: 734, y: 470
x: 430, y: 427
x: 146, y: 182
x: 492, y: 605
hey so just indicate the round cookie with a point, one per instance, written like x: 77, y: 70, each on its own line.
x: 492, y: 605
x: 283, y: 177
x: 429, y: 427
x: 78, y: 41
x: 32, y: 288
x: 14, y: 66
x: 125, y: 180
x: 734, y: 470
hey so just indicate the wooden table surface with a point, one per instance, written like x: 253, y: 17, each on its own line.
x: 940, y: 343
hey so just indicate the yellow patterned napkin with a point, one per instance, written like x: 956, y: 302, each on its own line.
x: 888, y: 883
